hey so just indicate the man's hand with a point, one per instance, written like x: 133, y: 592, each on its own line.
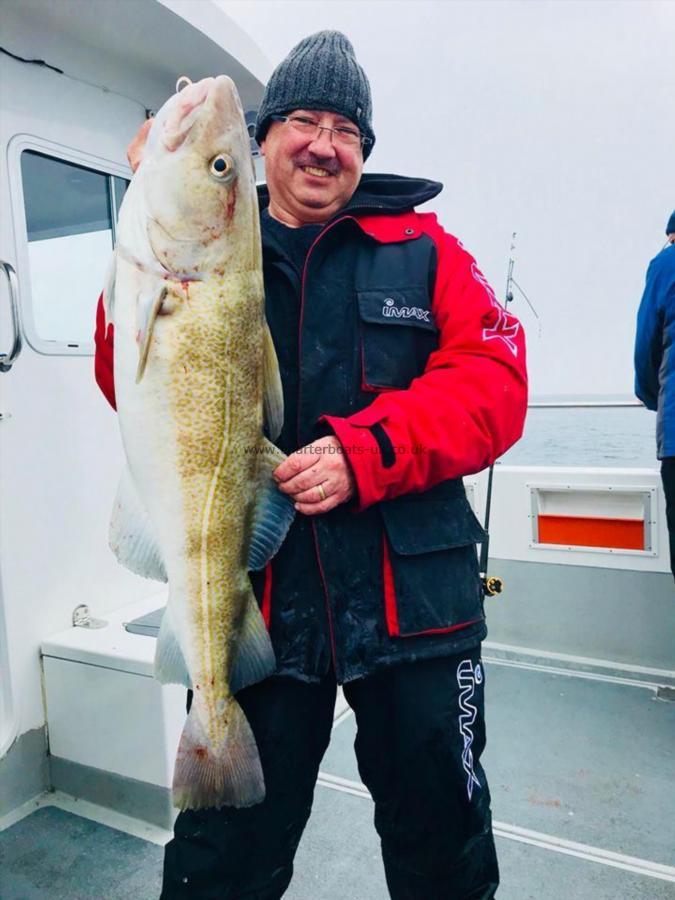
x: 317, y: 477
x: 137, y: 145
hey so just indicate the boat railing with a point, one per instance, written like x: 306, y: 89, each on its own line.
x: 582, y: 404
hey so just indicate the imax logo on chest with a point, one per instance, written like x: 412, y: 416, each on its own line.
x: 391, y: 311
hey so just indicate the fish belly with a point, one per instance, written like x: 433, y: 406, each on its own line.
x: 192, y: 429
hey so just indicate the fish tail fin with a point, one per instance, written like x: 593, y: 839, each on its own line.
x: 228, y: 775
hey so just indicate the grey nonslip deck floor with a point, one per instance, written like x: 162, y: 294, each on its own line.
x: 55, y: 855
x: 578, y: 768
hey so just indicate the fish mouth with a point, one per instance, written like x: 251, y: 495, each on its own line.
x: 184, y: 112
x: 222, y: 106
x: 216, y: 99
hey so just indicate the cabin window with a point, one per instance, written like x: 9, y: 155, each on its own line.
x: 71, y: 213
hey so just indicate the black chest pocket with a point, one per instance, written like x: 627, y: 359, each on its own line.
x: 397, y: 334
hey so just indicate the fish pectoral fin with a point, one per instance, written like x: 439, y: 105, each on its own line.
x: 227, y: 775
x: 147, y: 310
x: 131, y: 536
x: 170, y: 665
x: 273, y: 396
x: 254, y: 657
x: 109, y: 289
x: 274, y: 512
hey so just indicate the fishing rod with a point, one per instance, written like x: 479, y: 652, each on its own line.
x: 494, y: 584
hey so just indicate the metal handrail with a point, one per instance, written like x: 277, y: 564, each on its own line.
x: 7, y: 359
x: 583, y: 404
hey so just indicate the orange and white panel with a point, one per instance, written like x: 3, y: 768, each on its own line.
x: 587, y: 518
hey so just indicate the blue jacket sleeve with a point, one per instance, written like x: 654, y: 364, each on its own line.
x: 649, y: 338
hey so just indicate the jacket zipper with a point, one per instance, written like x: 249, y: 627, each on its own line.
x: 314, y: 532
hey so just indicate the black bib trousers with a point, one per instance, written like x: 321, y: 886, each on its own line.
x: 420, y: 736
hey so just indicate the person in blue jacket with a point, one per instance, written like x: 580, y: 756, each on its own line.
x: 655, y: 365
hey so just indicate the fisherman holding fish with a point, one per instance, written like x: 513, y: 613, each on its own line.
x: 401, y: 373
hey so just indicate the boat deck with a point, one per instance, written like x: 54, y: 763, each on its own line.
x: 580, y: 766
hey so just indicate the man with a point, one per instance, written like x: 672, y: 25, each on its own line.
x: 401, y: 374
x: 655, y: 365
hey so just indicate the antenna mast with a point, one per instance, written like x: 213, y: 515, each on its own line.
x: 493, y: 584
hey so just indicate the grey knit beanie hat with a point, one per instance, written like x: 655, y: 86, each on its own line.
x: 321, y: 72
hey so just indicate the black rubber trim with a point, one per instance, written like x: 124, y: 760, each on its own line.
x: 385, y: 445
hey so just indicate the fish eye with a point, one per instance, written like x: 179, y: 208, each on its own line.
x: 221, y: 166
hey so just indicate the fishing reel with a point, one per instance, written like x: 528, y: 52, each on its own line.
x: 492, y: 584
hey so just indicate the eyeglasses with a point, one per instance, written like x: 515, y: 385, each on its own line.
x: 343, y: 134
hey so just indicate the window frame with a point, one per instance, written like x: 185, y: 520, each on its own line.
x: 61, y: 153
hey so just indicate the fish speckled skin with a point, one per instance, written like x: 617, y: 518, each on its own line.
x: 187, y: 306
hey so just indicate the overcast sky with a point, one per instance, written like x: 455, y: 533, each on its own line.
x: 552, y: 119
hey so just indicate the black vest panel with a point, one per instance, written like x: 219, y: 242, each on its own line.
x: 361, y: 323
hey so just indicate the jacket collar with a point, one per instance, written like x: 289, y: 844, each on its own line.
x: 381, y: 194
x: 383, y: 205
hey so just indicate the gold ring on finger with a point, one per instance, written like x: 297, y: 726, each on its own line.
x: 321, y: 491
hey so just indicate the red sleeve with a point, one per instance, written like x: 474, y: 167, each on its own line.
x: 465, y: 410
x: 103, y: 358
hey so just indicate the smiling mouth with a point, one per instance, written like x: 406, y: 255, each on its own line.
x: 314, y: 170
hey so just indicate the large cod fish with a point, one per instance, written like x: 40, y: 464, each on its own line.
x: 196, y: 377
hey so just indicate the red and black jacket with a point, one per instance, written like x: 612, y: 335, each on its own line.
x: 391, y: 339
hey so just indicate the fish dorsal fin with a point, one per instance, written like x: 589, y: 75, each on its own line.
x: 254, y: 657
x: 131, y: 537
x: 273, y: 397
x: 170, y: 665
x: 274, y: 511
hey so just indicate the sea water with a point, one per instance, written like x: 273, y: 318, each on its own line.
x: 597, y: 436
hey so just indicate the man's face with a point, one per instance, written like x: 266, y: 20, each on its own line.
x: 310, y: 179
